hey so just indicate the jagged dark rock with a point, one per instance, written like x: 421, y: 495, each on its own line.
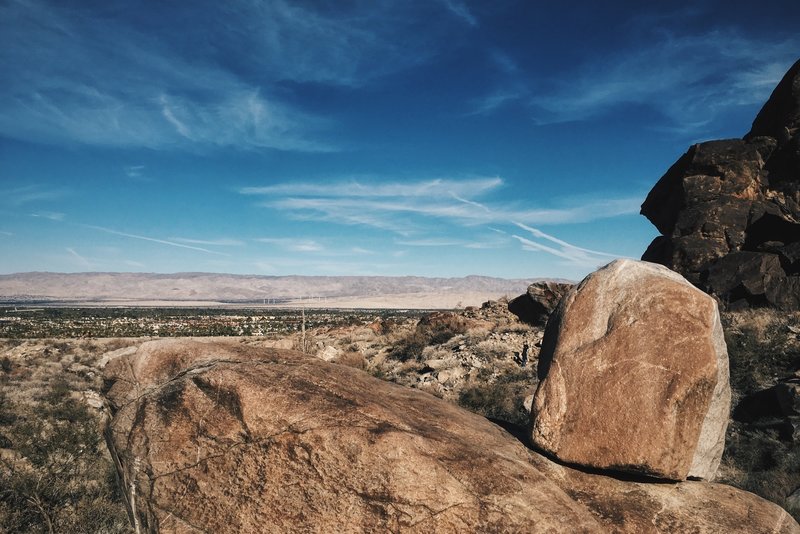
x: 536, y: 305
x: 776, y: 408
x: 729, y: 210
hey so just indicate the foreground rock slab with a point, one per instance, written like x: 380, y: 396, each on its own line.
x: 634, y: 375
x: 218, y: 437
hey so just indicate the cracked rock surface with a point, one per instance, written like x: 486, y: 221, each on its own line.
x: 216, y: 436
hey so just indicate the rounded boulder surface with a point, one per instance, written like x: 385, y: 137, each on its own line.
x: 634, y: 375
x: 216, y: 436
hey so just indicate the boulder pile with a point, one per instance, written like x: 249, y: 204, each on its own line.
x: 729, y: 211
x: 216, y: 436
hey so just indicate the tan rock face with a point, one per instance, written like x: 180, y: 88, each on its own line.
x: 634, y: 375
x: 274, y: 441
x: 279, y: 442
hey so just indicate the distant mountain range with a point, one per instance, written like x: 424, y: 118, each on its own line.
x: 44, y: 287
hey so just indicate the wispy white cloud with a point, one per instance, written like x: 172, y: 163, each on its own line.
x: 31, y: 193
x: 152, y: 239
x: 487, y: 244
x: 430, y: 242
x: 81, y: 260
x: 539, y: 234
x: 51, y: 215
x: 3, y: 232
x: 427, y: 213
x: 134, y: 172
x: 460, y: 10
x: 379, y: 189
x: 492, y: 102
x: 572, y: 255
x: 163, y: 98
x: 292, y: 244
x: 401, y: 207
x: 118, y: 83
x: 221, y: 242
x: 690, y: 79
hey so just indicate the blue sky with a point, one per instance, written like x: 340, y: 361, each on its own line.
x: 435, y: 138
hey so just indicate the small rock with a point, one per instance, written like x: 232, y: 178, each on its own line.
x: 440, y: 363
x: 328, y: 353
x: 93, y: 399
x: 108, y: 356
x: 450, y: 375
x: 535, y: 306
x: 528, y: 403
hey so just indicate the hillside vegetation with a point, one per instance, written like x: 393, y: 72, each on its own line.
x: 56, y: 475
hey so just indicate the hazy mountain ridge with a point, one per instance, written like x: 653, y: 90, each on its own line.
x: 44, y: 286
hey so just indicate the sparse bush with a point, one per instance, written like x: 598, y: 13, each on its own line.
x: 353, y: 359
x: 490, y: 351
x: 758, y: 349
x: 500, y: 399
x: 57, y: 480
x: 761, y: 350
x: 6, y: 365
x: 7, y: 415
x: 433, y: 329
x: 762, y: 464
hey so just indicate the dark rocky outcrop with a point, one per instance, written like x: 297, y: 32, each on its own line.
x: 221, y: 437
x: 776, y: 408
x: 729, y: 211
x: 536, y: 305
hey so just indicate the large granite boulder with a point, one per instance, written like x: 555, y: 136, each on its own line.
x: 634, y: 375
x: 220, y: 437
x: 729, y: 211
x: 536, y: 305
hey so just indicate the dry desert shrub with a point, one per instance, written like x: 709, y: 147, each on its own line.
x: 490, y: 351
x: 433, y: 329
x: 759, y: 462
x: 500, y: 398
x: 761, y: 347
x: 55, y: 477
x: 352, y: 358
x: 760, y: 455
